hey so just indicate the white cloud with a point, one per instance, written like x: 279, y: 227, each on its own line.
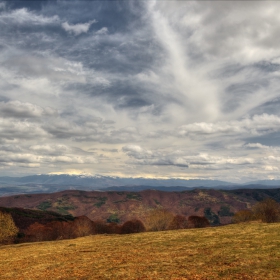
x: 24, y: 16
x: 256, y: 146
x: 179, y: 77
x: 102, y: 31
x: 47, y: 149
x: 38, y: 159
x: 14, y: 129
x: 257, y: 125
x: 186, y: 159
x: 43, y: 155
x: 17, y: 109
x: 200, y: 38
x: 78, y: 28
x: 273, y: 158
x: 238, y: 30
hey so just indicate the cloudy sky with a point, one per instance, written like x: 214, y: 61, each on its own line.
x: 186, y: 89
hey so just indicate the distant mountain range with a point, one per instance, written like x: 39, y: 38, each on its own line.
x: 54, y: 183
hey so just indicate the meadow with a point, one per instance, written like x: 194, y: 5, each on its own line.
x: 237, y: 251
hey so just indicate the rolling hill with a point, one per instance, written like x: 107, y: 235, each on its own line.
x: 217, y: 205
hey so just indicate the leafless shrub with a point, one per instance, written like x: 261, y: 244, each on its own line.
x: 158, y: 220
x: 243, y: 216
x: 82, y: 226
x: 267, y: 210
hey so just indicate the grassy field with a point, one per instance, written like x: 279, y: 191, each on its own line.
x: 243, y: 251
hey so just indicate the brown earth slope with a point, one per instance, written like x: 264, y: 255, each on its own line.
x: 217, y: 205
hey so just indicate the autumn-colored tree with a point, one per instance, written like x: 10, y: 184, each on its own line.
x: 8, y: 229
x: 243, y: 216
x: 100, y: 227
x: 38, y: 232
x: 267, y: 210
x: 133, y: 226
x: 158, y: 219
x: 82, y: 226
x: 179, y: 222
x: 61, y: 230
x: 113, y: 228
x: 198, y: 222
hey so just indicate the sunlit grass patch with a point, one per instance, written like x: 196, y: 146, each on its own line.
x: 243, y: 251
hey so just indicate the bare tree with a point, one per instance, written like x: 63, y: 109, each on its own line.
x: 158, y: 219
x: 267, y: 210
x: 241, y: 216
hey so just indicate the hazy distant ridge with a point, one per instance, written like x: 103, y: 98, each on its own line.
x: 55, y: 183
x: 107, y: 181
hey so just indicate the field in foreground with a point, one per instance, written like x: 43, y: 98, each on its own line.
x: 243, y: 251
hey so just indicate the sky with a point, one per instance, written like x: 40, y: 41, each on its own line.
x: 157, y: 89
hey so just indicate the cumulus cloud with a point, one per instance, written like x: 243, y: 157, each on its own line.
x: 17, y: 109
x: 52, y: 150
x: 256, y: 146
x: 147, y: 157
x: 257, y: 125
x: 78, y: 28
x: 43, y: 156
x: 183, y: 158
x: 15, y: 129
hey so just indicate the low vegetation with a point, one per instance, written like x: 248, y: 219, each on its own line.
x: 268, y: 211
x: 237, y: 251
x: 243, y: 216
x: 101, y: 201
x: 158, y: 219
x: 213, y: 218
x: 225, y: 211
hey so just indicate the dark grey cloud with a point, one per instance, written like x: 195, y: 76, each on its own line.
x: 4, y: 99
x: 272, y: 107
x: 267, y: 66
x: 270, y: 139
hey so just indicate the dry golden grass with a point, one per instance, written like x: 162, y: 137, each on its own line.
x: 243, y: 251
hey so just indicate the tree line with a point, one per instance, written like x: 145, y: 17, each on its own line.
x: 155, y: 220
